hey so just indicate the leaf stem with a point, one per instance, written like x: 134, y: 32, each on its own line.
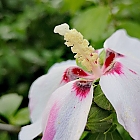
x: 9, y: 128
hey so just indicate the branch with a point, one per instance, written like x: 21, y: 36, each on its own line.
x: 9, y: 128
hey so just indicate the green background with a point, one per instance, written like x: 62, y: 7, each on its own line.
x: 28, y: 47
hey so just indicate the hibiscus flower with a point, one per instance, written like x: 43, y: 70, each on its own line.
x: 60, y: 100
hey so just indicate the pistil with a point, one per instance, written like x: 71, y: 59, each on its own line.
x: 85, y: 54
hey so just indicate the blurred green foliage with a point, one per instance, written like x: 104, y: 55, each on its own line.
x: 28, y: 46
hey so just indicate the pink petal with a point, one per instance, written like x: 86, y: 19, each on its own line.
x: 30, y: 131
x: 121, y: 85
x: 122, y: 43
x: 44, y: 86
x: 67, y: 111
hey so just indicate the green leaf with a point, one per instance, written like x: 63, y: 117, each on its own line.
x: 99, y: 120
x: 132, y: 28
x: 31, y: 56
x: 101, y: 100
x: 102, y: 57
x: 9, y: 104
x: 84, y: 135
x: 5, y: 32
x: 21, y: 117
x: 92, y: 22
x: 12, y: 60
x: 80, y: 65
x: 4, y: 136
x: 111, y: 129
x: 72, y: 5
x: 123, y: 132
x: 101, y: 136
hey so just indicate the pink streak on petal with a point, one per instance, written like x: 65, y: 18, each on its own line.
x: 31, y: 106
x: 82, y: 88
x: 50, y: 127
x: 117, y: 68
x: 118, y: 55
x: 133, y: 72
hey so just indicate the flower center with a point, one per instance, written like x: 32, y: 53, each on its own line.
x: 85, y: 54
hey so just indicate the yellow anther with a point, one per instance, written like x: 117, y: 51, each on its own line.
x: 85, y: 54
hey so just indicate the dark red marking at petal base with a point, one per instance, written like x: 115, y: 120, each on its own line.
x: 72, y: 73
x: 79, y: 72
x: 82, y: 88
x: 116, y: 69
x: 65, y: 77
x: 111, y: 65
x: 109, y: 59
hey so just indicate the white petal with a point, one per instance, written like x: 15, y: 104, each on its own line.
x: 67, y: 63
x: 67, y: 111
x: 132, y: 64
x: 122, y: 89
x: 30, y: 131
x: 43, y: 87
x: 122, y: 43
